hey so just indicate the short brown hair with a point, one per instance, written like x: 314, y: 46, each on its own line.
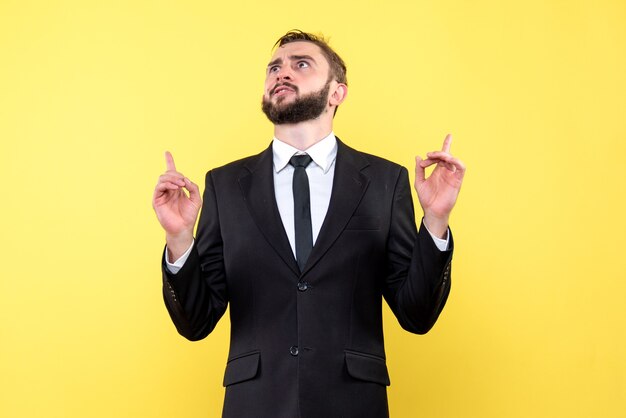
x: 337, y: 66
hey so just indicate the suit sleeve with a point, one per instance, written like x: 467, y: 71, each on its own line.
x: 196, y: 297
x: 418, y: 274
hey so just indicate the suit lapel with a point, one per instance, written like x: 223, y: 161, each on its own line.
x: 349, y: 185
x: 257, y: 186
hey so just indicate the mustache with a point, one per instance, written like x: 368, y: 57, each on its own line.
x: 291, y: 86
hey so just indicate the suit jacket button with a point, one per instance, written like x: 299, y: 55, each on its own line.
x: 294, y: 350
x: 303, y: 286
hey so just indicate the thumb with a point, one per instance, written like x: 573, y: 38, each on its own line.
x: 194, y: 192
x: 420, y: 174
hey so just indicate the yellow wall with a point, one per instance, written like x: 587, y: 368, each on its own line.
x: 92, y: 93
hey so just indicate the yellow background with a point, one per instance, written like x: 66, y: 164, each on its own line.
x: 534, y: 92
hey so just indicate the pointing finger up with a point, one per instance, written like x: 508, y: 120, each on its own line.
x: 446, y: 143
x: 169, y: 161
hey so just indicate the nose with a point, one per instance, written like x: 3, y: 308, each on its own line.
x: 284, y: 73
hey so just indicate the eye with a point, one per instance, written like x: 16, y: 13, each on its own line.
x: 273, y: 69
x: 303, y: 64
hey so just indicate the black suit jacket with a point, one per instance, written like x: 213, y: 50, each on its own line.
x: 308, y: 344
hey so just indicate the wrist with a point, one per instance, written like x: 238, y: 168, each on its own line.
x: 437, y: 225
x: 177, y: 244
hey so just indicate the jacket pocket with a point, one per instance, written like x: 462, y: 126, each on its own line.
x: 367, y: 367
x: 371, y: 223
x: 241, y: 368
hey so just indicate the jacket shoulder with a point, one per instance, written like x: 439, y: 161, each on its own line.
x: 242, y: 166
x: 370, y: 162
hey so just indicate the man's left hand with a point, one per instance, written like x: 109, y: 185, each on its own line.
x: 437, y: 194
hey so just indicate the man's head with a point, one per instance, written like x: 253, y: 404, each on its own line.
x: 337, y: 66
x: 305, y: 79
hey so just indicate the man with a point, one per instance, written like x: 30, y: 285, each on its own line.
x: 303, y: 241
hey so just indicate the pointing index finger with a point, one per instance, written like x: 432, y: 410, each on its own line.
x: 446, y: 143
x: 169, y: 161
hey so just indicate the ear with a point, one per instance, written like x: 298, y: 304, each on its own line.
x: 338, y: 94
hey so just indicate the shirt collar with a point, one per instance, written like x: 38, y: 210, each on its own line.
x: 323, y: 153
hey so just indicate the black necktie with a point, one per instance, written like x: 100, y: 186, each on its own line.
x: 302, y: 208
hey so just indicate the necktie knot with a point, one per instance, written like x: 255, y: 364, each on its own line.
x: 300, y: 160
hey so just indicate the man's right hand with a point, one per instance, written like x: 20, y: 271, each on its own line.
x: 176, y: 211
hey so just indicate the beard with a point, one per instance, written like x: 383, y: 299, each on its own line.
x: 303, y: 108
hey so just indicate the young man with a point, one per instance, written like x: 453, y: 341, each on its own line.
x: 303, y: 241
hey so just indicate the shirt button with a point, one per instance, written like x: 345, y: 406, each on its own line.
x: 303, y: 286
x: 294, y: 350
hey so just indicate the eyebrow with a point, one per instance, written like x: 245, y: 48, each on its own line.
x: 293, y: 58
x: 302, y: 57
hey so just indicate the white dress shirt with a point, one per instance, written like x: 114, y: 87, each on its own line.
x: 321, y: 172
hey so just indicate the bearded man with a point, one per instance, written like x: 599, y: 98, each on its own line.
x: 303, y: 241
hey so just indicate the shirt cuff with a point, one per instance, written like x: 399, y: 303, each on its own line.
x: 178, y: 264
x: 442, y: 244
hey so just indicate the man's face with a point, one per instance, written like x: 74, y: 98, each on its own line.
x: 296, y: 84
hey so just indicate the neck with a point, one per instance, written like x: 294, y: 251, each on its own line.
x: 304, y: 134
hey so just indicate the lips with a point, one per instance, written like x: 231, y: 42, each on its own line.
x: 281, y: 89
